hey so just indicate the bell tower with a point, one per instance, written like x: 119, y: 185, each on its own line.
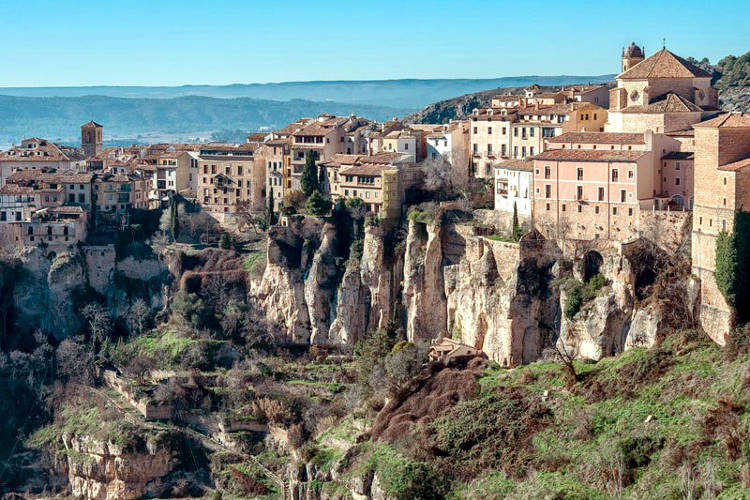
x: 631, y: 56
x: 91, y: 138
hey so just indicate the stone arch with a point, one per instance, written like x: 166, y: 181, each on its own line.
x: 592, y: 264
x: 677, y: 202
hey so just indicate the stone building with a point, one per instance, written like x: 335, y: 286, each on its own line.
x: 38, y: 154
x: 663, y: 93
x: 514, y: 186
x: 229, y: 177
x: 91, y: 139
x: 722, y: 180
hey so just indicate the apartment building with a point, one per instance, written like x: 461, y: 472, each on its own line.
x: 228, y: 177
x: 274, y: 154
x: 514, y: 185
x: 322, y: 138
x: 37, y: 154
x: 521, y: 132
x: 58, y: 228
x: 379, y: 180
x: 113, y: 194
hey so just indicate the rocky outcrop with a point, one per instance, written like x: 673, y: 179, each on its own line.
x: 310, y: 294
x: 424, y: 294
x: 48, y: 289
x: 99, y: 470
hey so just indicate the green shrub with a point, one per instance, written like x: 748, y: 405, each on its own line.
x: 318, y: 205
x: 573, y: 302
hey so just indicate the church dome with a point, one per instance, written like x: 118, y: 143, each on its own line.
x: 632, y: 51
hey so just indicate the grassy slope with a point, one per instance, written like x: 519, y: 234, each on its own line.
x: 659, y: 423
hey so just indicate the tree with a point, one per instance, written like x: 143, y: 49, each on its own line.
x: 137, y: 316
x: 174, y: 224
x: 225, y: 242
x: 317, y: 205
x: 99, y: 323
x: 270, y: 215
x: 517, y: 230
x: 732, y: 271
x: 294, y: 199
x: 309, y: 181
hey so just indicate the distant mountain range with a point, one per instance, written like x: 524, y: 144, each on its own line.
x: 406, y: 93
x: 198, y: 111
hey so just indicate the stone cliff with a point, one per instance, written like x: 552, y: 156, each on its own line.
x: 450, y: 276
x: 48, y: 289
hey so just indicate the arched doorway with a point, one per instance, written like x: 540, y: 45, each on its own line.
x: 677, y: 202
x: 592, y: 264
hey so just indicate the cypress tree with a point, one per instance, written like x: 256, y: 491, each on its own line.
x: 270, y: 216
x: 174, y: 226
x: 309, y: 181
x: 517, y: 231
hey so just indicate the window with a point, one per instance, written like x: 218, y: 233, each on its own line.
x: 548, y: 191
x: 615, y: 175
x: 475, y: 148
x: 547, y: 207
x: 580, y: 208
x: 406, y: 146
x: 515, y: 132
x: 547, y: 172
x: 614, y: 210
x: 489, y: 130
x: 531, y: 151
x: 475, y: 130
x: 531, y: 132
x: 677, y: 181
x: 503, y: 130
x: 563, y: 207
x: 600, y: 196
x: 596, y: 209
x: 579, y: 193
x: 523, y: 151
x: 579, y: 174
x: 622, y: 195
x: 725, y: 181
x: 630, y: 211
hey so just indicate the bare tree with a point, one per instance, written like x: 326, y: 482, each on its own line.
x: 99, y: 323
x: 75, y: 361
x: 137, y: 316
x: 440, y: 176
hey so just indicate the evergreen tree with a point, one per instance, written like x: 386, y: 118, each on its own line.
x: 309, y: 181
x: 270, y: 216
x: 517, y: 230
x: 174, y: 225
x: 317, y: 204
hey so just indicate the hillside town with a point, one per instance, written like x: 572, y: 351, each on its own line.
x: 581, y: 162
x: 547, y: 297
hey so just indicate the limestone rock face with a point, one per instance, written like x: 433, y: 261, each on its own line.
x: 352, y: 309
x: 308, y: 294
x: 98, y: 470
x: 424, y: 294
x: 381, y: 269
x: 320, y: 287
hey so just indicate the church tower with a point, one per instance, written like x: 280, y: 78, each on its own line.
x: 631, y: 56
x: 91, y: 139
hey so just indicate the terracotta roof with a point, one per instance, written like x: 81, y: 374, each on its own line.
x: 682, y: 133
x: 598, y: 138
x: 16, y: 189
x: 257, y: 137
x: 736, y: 165
x: 678, y: 155
x: 729, y: 120
x: 57, y: 177
x: 667, y: 103
x: 45, y: 151
x: 590, y: 155
x: 663, y: 64
x: 91, y: 124
x: 525, y: 165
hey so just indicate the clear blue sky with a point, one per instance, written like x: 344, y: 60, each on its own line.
x: 169, y: 42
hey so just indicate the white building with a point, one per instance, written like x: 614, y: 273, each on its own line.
x: 514, y: 184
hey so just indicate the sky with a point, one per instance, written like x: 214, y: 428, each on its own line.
x: 169, y: 42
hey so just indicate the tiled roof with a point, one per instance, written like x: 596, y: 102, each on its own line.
x: 736, y: 165
x: 729, y: 120
x: 667, y: 103
x: 590, y: 155
x: 91, y: 124
x: 16, y: 189
x: 678, y: 155
x: 525, y: 165
x: 663, y: 64
x: 598, y: 138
